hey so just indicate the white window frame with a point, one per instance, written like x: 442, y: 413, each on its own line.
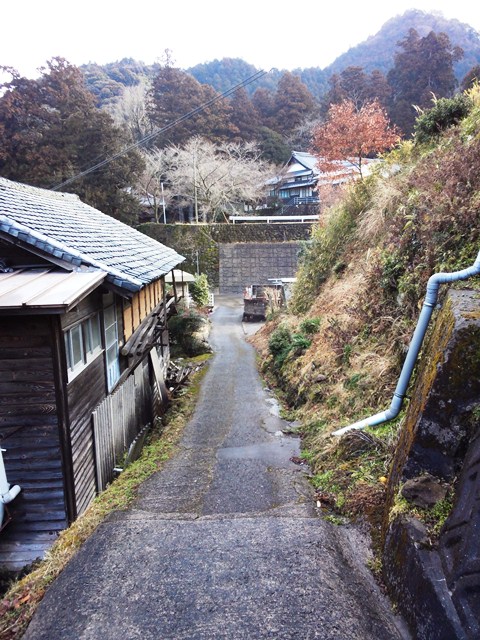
x: 90, y: 347
x: 112, y: 362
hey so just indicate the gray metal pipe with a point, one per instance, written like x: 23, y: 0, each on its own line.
x: 429, y: 304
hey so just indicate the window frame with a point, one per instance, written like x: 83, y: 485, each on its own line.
x: 90, y: 348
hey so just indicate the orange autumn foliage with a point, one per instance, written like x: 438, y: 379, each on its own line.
x: 353, y: 134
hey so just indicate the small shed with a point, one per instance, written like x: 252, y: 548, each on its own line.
x: 180, y: 282
x: 83, y: 349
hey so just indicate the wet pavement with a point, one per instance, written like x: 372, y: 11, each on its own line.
x: 224, y: 542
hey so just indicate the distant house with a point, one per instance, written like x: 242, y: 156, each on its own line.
x: 83, y: 351
x: 301, y: 180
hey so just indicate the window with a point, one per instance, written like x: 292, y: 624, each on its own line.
x: 111, y: 345
x: 82, y: 343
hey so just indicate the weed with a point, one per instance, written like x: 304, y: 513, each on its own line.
x: 352, y: 382
x: 334, y: 519
x: 310, y: 326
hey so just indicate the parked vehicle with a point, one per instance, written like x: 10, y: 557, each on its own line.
x: 260, y: 299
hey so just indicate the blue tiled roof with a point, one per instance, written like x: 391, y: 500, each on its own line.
x: 68, y: 229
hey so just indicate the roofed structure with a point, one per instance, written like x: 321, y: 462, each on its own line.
x: 63, y: 227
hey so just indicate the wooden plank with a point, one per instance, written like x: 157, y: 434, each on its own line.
x: 30, y: 386
x: 158, y: 376
x: 128, y: 321
x: 38, y: 368
x: 85, y: 308
x: 141, y: 304
x: 136, y: 310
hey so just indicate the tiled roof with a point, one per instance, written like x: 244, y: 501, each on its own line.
x: 68, y: 229
x: 308, y: 161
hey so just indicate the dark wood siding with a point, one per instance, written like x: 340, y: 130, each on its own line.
x: 29, y: 431
x: 84, y: 393
x: 90, y: 305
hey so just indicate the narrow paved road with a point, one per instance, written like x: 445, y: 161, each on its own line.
x: 222, y: 543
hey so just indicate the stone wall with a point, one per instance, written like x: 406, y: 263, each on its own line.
x: 435, y: 578
x: 200, y: 243
x: 255, y: 263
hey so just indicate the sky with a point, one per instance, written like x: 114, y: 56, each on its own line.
x: 264, y: 33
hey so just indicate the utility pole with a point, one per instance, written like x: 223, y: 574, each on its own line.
x: 163, y: 204
x: 195, y: 199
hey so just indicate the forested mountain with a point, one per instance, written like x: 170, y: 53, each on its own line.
x: 107, y: 81
x: 375, y: 53
x: 378, y: 51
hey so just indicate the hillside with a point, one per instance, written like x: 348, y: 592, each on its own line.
x: 377, y: 52
x: 335, y: 358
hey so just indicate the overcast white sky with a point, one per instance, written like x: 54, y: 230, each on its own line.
x: 265, y: 33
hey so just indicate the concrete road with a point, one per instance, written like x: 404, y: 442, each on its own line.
x: 224, y: 541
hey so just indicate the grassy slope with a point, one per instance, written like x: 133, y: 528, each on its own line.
x: 363, y: 278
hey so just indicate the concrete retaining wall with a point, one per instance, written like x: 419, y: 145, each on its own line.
x: 435, y: 580
x: 250, y: 263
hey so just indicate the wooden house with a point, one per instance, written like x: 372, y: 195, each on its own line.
x: 83, y: 348
x: 300, y: 182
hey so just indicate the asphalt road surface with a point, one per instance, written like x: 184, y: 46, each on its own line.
x: 224, y: 542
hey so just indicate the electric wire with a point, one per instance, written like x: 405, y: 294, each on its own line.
x: 256, y: 76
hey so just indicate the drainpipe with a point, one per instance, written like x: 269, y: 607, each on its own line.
x: 7, y: 493
x: 428, y: 306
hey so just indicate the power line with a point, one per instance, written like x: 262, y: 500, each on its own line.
x: 256, y: 76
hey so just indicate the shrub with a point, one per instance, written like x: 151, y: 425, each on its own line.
x: 199, y: 290
x: 189, y: 332
x: 445, y: 113
x: 280, y: 344
x: 309, y: 326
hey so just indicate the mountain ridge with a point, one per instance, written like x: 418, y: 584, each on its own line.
x: 376, y: 52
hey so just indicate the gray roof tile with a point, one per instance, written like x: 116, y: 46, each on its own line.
x: 65, y: 227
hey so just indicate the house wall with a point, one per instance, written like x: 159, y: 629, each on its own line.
x: 29, y: 432
x: 84, y: 393
x: 140, y: 306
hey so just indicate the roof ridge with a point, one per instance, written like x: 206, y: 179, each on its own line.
x: 21, y: 186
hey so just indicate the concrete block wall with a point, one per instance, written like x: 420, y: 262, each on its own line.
x: 254, y: 263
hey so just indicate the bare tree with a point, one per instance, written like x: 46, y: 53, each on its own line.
x: 130, y: 111
x: 151, y: 186
x: 217, y: 177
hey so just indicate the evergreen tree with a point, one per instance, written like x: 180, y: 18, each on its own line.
x: 264, y: 102
x: 51, y: 129
x: 355, y: 85
x: 174, y: 94
x: 273, y: 146
x: 244, y: 115
x: 423, y: 70
x: 471, y: 78
x: 293, y: 103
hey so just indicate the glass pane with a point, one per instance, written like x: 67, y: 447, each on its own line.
x: 87, y: 335
x: 110, y: 336
x: 77, y: 346
x: 112, y: 353
x: 68, y: 350
x: 95, y: 327
x: 113, y: 374
x: 109, y: 315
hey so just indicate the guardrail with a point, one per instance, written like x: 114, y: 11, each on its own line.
x: 274, y: 219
